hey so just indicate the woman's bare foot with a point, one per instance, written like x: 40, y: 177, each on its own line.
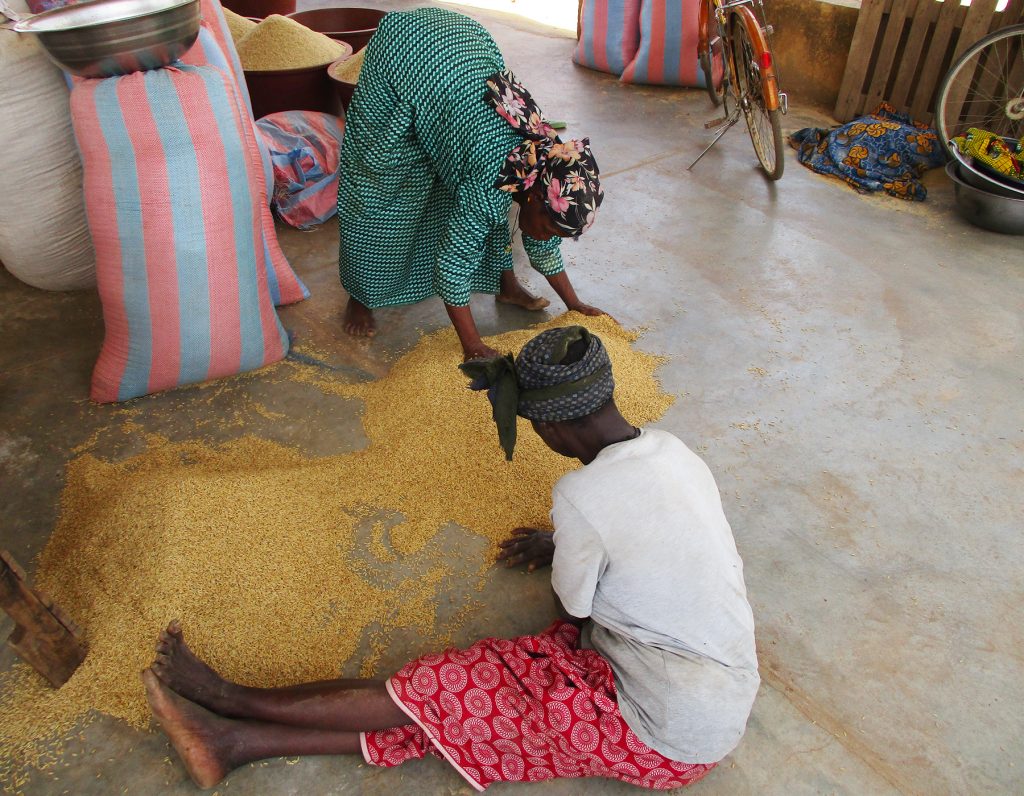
x: 359, y: 321
x: 193, y: 731
x: 525, y: 300
x: 180, y: 670
x: 513, y: 292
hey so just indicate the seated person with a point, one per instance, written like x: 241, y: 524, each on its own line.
x: 649, y: 678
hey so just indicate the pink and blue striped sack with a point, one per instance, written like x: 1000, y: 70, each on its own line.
x: 667, y: 54
x: 609, y: 34
x: 181, y: 264
x: 214, y: 47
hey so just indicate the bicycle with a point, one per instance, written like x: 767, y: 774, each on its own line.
x: 735, y: 54
x: 984, y: 88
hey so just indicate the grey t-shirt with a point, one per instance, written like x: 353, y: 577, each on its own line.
x: 643, y: 548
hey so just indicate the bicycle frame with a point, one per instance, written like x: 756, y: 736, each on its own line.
x: 728, y: 14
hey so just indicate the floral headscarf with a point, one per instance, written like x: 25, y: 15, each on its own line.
x: 567, y: 170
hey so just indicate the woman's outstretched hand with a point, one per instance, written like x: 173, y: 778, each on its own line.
x: 586, y: 309
x: 529, y: 546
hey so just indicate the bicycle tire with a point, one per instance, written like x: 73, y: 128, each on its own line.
x: 984, y: 88
x: 756, y: 91
x: 711, y: 53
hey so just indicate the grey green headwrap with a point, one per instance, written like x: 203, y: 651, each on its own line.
x: 537, y: 386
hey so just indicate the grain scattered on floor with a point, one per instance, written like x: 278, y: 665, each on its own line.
x: 282, y: 566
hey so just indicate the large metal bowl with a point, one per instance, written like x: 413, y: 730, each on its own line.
x: 985, y: 209
x: 105, y: 38
x: 977, y: 174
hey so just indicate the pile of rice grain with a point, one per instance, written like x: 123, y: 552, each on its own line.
x: 238, y: 26
x: 278, y: 564
x: 348, y: 70
x: 282, y: 43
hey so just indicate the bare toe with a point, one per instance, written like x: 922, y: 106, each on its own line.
x: 183, y: 672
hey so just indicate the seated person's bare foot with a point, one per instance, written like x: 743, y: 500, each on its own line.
x: 359, y: 321
x: 179, y: 669
x: 513, y: 292
x: 195, y: 733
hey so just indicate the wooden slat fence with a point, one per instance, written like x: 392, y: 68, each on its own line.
x: 902, y: 49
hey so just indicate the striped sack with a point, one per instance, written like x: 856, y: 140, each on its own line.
x: 180, y: 262
x: 214, y: 47
x: 668, y: 45
x: 609, y: 34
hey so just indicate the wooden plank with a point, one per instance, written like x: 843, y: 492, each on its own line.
x: 851, y: 91
x: 888, y: 54
x: 935, y: 64
x: 925, y: 14
x: 43, y: 636
x: 976, y: 25
x: 1013, y: 14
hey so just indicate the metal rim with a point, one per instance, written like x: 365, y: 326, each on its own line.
x: 984, y: 89
x: 967, y: 164
x: 31, y: 25
x: 765, y: 133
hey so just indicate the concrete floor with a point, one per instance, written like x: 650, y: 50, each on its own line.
x: 850, y: 368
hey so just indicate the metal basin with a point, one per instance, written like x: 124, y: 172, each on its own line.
x: 985, y: 209
x: 105, y: 38
x: 981, y: 176
x: 977, y: 174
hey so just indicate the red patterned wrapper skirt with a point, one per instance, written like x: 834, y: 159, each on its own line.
x: 521, y: 710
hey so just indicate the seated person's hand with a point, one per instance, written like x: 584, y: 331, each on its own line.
x: 529, y: 546
x: 480, y: 351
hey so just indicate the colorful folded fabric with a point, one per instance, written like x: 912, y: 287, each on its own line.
x: 884, y: 151
x: 304, y: 148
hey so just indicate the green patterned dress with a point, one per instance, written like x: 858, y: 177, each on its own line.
x: 417, y: 209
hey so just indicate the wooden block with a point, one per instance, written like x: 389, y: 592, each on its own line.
x: 43, y: 636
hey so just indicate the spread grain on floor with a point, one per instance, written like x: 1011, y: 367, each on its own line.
x: 258, y: 549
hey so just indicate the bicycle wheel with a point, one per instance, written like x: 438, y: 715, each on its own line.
x: 711, y: 52
x: 984, y: 88
x: 757, y: 92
